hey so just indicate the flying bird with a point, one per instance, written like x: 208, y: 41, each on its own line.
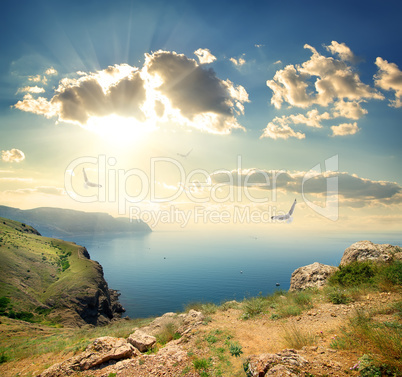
x: 185, y: 155
x: 288, y: 217
x: 89, y: 183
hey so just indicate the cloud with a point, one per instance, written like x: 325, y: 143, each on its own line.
x: 348, y: 109
x: 389, y: 77
x: 345, y: 129
x: 343, y: 51
x: 325, y: 81
x: 238, y: 62
x: 40, y: 106
x: 47, y: 190
x: 31, y: 89
x: 353, y: 190
x: 280, y: 129
x: 320, y: 80
x: 51, y: 71
x: 12, y: 155
x: 170, y: 87
x: 204, y: 56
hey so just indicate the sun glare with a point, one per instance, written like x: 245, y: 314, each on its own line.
x: 119, y: 130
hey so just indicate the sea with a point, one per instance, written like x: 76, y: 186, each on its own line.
x: 164, y: 271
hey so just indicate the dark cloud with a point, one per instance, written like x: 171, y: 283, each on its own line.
x: 351, y: 188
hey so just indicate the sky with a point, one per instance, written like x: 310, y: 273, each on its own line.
x: 201, y: 114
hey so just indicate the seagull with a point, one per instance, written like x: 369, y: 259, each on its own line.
x: 185, y: 155
x: 89, y: 183
x: 288, y: 216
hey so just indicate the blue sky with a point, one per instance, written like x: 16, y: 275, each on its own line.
x: 284, y: 85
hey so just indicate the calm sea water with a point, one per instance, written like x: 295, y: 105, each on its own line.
x: 161, y: 272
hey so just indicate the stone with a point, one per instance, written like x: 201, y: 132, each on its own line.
x: 366, y: 250
x: 99, y: 352
x: 105, y: 349
x: 310, y: 276
x: 142, y: 341
x: 274, y: 365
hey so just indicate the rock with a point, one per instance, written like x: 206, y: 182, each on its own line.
x: 312, y: 275
x: 105, y: 349
x: 280, y: 371
x: 100, y: 351
x: 366, y: 250
x: 274, y: 365
x: 142, y: 341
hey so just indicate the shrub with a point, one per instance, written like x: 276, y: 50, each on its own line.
x: 337, y: 297
x: 253, y: 307
x: 201, y: 364
x: 235, y: 349
x: 3, y: 358
x: 392, y: 273
x: 4, y: 302
x: 356, y: 273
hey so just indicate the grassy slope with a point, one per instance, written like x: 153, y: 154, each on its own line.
x: 30, y: 270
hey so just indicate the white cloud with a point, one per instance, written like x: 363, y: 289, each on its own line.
x: 348, y: 109
x: 170, y: 87
x: 40, y: 106
x: 320, y: 80
x: 238, y: 62
x: 279, y: 129
x: 31, y: 89
x: 13, y: 155
x: 51, y: 71
x: 344, y: 52
x: 345, y: 129
x: 389, y: 77
x: 325, y: 81
x: 204, y: 56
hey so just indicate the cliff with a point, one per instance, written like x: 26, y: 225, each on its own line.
x: 46, y: 277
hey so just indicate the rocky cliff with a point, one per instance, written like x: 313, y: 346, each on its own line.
x: 51, y: 276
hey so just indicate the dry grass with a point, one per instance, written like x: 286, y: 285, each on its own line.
x: 297, y: 338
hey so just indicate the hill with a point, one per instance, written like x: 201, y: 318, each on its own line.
x: 49, y: 279
x: 58, y: 222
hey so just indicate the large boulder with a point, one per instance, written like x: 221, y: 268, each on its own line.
x: 99, y: 352
x: 366, y: 250
x: 311, y: 276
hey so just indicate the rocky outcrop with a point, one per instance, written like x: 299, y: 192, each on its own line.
x: 311, y: 276
x: 274, y: 364
x: 106, y: 350
x: 366, y: 250
x: 99, y: 352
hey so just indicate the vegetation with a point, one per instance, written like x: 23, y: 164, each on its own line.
x: 296, y: 338
x: 36, y: 269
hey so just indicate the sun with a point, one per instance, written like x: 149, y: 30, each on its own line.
x: 119, y: 130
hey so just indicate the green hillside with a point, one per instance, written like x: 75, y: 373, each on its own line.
x: 51, y: 278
